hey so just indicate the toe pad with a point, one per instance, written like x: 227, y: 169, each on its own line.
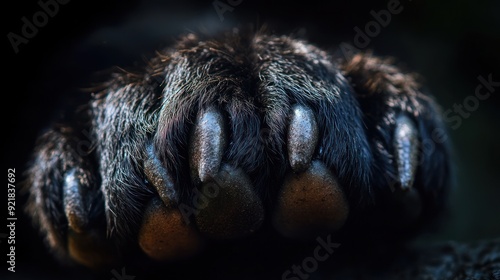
x: 165, y: 236
x: 309, y: 202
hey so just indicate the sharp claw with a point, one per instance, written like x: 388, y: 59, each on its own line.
x: 406, y: 145
x: 302, y: 138
x: 159, y: 177
x: 207, y: 147
x: 86, y: 244
x: 74, y: 206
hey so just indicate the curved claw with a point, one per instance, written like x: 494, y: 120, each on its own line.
x: 207, y: 146
x: 160, y: 178
x: 406, y: 145
x: 74, y: 204
x: 302, y: 138
x: 86, y: 241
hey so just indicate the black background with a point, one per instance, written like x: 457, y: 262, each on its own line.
x: 449, y: 42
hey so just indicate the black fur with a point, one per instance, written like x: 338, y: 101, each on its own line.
x: 254, y: 78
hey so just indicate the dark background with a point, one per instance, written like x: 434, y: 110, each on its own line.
x: 450, y: 43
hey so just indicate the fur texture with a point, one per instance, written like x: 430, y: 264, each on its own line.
x: 254, y: 78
